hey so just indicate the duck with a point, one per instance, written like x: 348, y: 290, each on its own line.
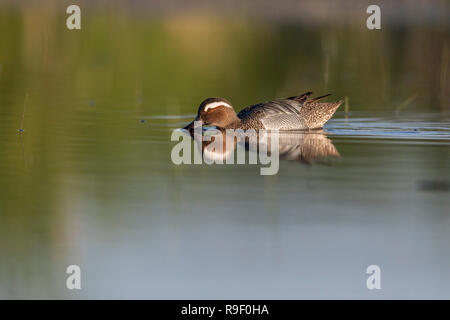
x: 293, y: 113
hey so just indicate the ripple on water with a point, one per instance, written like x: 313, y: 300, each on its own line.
x: 415, y: 127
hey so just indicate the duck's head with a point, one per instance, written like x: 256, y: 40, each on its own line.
x: 215, y: 112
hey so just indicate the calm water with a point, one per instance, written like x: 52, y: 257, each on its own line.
x: 90, y: 181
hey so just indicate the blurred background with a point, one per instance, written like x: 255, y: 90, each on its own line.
x: 85, y: 170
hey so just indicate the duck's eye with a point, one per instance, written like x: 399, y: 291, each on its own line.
x: 205, y: 119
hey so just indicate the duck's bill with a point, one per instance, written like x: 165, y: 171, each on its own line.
x: 190, y: 126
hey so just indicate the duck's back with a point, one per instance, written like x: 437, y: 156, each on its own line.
x: 287, y: 114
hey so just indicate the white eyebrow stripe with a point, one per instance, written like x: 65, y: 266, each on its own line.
x: 213, y: 105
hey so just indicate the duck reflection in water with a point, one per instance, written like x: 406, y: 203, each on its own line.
x: 305, y: 147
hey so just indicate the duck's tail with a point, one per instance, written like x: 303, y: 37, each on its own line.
x: 316, y: 114
x: 318, y: 98
x: 304, y: 97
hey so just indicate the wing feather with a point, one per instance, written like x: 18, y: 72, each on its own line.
x: 293, y: 113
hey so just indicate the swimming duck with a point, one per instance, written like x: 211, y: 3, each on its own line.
x: 293, y: 113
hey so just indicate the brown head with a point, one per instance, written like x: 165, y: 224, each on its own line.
x: 215, y: 112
